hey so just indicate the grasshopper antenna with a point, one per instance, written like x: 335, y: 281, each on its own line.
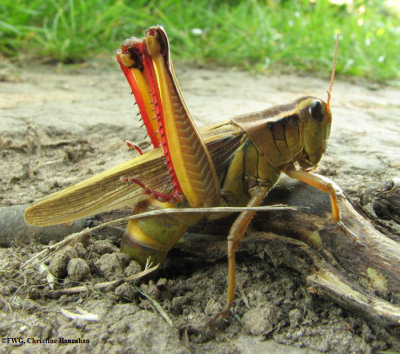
x: 333, y: 75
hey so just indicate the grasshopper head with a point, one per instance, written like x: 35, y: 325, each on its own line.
x: 316, y: 117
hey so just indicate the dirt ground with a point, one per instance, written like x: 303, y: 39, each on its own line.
x: 60, y: 125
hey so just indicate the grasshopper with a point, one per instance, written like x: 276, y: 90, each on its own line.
x: 233, y: 163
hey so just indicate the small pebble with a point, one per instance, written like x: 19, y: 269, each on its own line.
x: 261, y: 319
x: 132, y: 269
x: 59, y: 261
x: 125, y: 291
x: 78, y: 269
x: 103, y: 247
x: 109, y: 266
x: 80, y: 249
x: 151, y: 290
x: 295, y: 318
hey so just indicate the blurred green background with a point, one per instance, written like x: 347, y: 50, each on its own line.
x: 274, y: 35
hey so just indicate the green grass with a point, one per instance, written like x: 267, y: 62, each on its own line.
x: 285, y: 35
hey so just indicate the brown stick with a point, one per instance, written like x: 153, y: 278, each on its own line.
x: 359, y: 274
x: 13, y: 228
x: 373, y: 256
x: 362, y: 275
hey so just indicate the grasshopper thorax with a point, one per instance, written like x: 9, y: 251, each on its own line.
x: 316, y: 118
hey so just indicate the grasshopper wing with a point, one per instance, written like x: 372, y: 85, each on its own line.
x: 102, y: 192
x: 105, y: 191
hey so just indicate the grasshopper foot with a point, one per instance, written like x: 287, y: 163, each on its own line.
x: 162, y: 197
x: 354, y: 238
x: 221, y: 315
x: 133, y: 146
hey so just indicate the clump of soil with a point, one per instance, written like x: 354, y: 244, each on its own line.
x: 272, y: 303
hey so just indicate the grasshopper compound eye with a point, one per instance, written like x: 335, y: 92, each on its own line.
x: 316, y: 111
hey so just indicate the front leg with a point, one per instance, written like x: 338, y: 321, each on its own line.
x: 323, y: 184
x: 320, y: 182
